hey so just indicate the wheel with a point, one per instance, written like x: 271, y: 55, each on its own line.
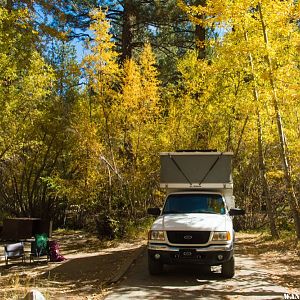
x: 228, y: 268
x: 155, y: 267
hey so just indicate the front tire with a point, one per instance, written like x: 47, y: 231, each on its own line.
x: 228, y: 268
x: 155, y: 267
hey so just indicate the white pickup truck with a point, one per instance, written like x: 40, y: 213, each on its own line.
x: 195, y: 224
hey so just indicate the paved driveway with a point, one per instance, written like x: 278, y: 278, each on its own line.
x: 252, y: 281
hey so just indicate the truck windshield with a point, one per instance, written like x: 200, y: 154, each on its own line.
x: 194, y: 203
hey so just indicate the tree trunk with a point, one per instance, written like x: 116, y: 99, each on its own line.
x: 293, y: 201
x: 236, y: 152
x: 228, y: 143
x: 127, y: 30
x: 9, y: 5
x: 200, y: 35
x: 261, y: 159
x: 298, y: 125
x: 110, y: 191
x: 263, y: 178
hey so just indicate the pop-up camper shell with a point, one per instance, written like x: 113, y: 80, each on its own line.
x: 198, y: 231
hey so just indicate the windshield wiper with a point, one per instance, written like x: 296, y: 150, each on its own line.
x: 189, y: 212
x: 171, y: 212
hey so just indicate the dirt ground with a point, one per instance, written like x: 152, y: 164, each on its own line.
x: 281, y: 257
x: 92, y: 265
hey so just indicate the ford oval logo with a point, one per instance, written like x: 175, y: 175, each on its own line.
x: 187, y: 237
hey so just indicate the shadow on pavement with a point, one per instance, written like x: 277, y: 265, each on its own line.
x: 189, y: 282
x: 76, y: 278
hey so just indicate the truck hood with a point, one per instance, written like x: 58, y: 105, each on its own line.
x: 193, y: 222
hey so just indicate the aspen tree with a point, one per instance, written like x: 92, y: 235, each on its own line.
x: 261, y: 159
x: 283, y: 144
x: 102, y: 70
x: 268, y: 58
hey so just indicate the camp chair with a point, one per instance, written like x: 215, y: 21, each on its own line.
x: 14, y: 251
x: 39, y: 247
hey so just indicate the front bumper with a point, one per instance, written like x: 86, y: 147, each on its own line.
x: 211, y: 255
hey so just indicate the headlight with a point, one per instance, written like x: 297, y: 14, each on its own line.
x: 221, y: 236
x: 157, y: 235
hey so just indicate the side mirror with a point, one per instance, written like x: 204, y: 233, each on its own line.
x: 154, y: 211
x: 236, y: 212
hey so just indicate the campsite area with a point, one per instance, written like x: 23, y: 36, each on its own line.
x: 94, y: 269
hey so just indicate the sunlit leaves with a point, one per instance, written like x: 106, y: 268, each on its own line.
x: 267, y: 33
x: 101, y: 64
x: 25, y: 79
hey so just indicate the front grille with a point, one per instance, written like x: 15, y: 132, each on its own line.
x: 188, y: 237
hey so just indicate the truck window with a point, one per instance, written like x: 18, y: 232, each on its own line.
x: 194, y: 203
